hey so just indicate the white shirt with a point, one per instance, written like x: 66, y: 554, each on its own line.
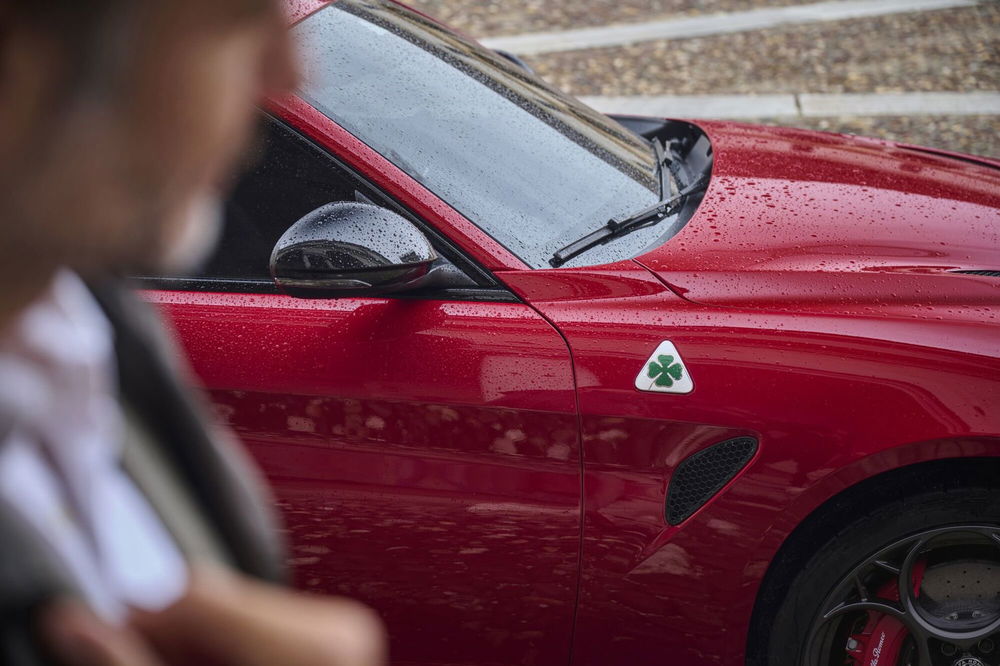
x: 60, y: 466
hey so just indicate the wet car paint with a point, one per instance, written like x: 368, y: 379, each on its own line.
x: 296, y: 10
x: 797, y: 219
x: 459, y: 522
x: 489, y: 479
x: 833, y: 400
x: 425, y: 456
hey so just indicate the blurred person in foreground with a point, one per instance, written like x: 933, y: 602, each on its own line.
x: 130, y: 532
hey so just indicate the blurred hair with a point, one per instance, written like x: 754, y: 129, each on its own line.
x: 97, y: 38
x: 90, y: 35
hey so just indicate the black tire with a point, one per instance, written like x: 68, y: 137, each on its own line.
x: 792, y: 622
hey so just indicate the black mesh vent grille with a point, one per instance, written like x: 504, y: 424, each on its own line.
x: 701, y: 475
x: 985, y: 273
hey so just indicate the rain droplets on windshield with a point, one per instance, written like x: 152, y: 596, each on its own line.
x: 529, y: 166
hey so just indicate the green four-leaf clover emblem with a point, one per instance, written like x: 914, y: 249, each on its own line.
x: 666, y: 372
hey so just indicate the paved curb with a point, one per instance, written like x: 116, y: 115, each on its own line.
x: 712, y: 24
x: 901, y: 104
x: 805, y: 105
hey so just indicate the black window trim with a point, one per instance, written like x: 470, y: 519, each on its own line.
x: 488, y: 288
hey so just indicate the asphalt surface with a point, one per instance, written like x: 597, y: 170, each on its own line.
x: 953, y: 50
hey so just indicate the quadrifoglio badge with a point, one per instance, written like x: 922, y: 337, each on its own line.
x: 665, y: 372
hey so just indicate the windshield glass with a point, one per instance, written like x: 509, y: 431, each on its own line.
x: 530, y: 166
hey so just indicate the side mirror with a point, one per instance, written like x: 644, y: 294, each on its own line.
x: 351, y: 249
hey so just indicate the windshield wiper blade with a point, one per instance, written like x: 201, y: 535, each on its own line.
x: 617, y: 227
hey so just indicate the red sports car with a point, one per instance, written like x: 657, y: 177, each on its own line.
x: 548, y: 387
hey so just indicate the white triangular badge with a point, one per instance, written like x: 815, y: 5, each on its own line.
x: 665, y: 372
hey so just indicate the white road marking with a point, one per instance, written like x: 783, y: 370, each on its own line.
x: 711, y: 24
x: 808, y: 105
x: 698, y: 106
x: 901, y: 104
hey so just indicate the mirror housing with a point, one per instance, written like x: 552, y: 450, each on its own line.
x: 351, y: 249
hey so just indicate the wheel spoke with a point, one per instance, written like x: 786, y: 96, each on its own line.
x: 905, y: 576
x: 923, y: 650
x: 860, y: 597
x: 885, y: 566
x: 876, y: 606
x: 860, y: 587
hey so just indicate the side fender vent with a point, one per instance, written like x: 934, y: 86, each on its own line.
x: 699, y: 476
x: 995, y: 274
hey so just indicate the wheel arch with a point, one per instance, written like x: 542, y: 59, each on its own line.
x: 835, y: 502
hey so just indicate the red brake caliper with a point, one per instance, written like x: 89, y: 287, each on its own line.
x: 881, y: 640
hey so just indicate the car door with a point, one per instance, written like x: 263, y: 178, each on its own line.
x: 424, y: 450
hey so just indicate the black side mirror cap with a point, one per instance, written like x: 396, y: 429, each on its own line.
x: 351, y: 249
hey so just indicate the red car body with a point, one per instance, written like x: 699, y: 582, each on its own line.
x: 495, y: 485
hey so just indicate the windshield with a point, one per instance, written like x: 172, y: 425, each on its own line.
x: 532, y: 167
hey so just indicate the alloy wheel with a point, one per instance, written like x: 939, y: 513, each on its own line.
x: 930, y: 599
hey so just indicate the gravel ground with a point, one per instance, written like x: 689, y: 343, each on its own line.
x: 481, y: 18
x: 975, y: 135
x: 947, y: 50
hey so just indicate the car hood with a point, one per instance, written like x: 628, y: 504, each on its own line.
x: 809, y: 219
